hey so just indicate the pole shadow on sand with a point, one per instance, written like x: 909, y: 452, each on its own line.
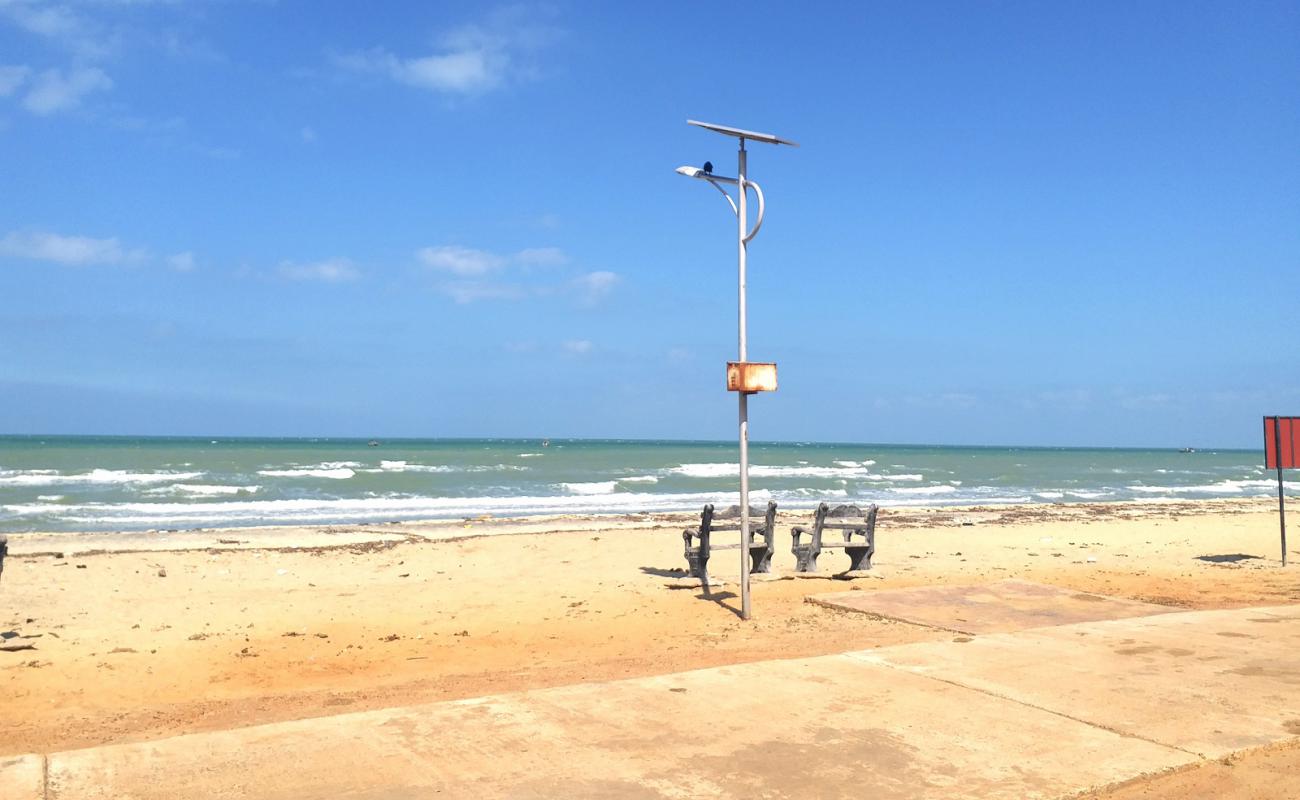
x: 687, y: 582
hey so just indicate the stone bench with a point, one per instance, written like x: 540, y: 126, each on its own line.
x: 711, y: 522
x: 858, y: 527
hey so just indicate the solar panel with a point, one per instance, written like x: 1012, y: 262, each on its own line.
x: 741, y: 133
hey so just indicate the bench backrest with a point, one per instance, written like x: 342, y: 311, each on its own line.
x: 849, y: 518
x: 760, y: 523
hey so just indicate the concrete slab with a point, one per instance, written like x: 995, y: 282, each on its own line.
x: 22, y: 777
x: 827, y: 727
x: 1208, y: 682
x: 998, y: 607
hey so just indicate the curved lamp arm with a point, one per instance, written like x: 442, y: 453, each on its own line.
x: 758, y: 190
x: 758, y: 223
x: 715, y: 184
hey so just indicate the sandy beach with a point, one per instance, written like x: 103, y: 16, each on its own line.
x: 142, y: 636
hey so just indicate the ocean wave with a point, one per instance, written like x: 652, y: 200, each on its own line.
x: 202, y: 490
x: 1234, y: 487
x: 867, y: 463
x: 335, y: 473
x: 405, y: 466
x: 769, y: 471
x: 267, y: 512
x: 592, y: 487
x: 943, y: 489
x: 530, y: 455
x: 640, y: 479
x: 46, y: 477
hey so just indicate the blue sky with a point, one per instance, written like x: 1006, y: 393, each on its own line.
x: 1018, y: 223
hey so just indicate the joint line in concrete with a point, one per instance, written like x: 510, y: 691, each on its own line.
x: 1061, y: 714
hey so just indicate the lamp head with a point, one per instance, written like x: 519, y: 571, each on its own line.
x: 690, y: 172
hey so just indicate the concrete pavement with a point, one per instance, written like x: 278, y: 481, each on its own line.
x: 1033, y: 714
x: 999, y: 607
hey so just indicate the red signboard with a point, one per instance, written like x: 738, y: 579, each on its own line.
x: 1282, y: 442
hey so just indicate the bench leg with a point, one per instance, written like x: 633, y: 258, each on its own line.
x: 805, y: 558
x: 760, y: 557
x: 859, y: 557
x: 698, y: 564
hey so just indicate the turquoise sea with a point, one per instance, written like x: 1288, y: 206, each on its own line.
x: 56, y: 483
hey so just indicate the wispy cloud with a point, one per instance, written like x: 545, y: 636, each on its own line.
x: 60, y: 25
x: 579, y: 347
x: 464, y: 261
x: 12, y: 77
x: 55, y: 90
x: 333, y: 270
x: 468, y: 60
x: 594, y: 286
x: 464, y: 292
x: 542, y: 257
x: 68, y: 250
x: 532, y: 272
x: 182, y: 262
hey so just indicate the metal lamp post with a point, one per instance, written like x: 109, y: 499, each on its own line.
x: 742, y: 376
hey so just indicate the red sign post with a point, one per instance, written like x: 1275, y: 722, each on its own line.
x: 1281, y: 451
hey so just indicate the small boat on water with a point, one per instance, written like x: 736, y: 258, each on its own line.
x: 372, y: 443
x: 1188, y: 450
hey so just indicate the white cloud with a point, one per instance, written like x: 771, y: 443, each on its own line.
x: 464, y: 292
x: 70, y: 250
x: 182, y: 262
x: 579, y: 347
x: 333, y: 270
x: 464, y: 261
x: 53, y: 90
x: 11, y: 77
x: 513, y: 275
x: 595, y: 286
x: 542, y: 257
x: 464, y: 72
x: 61, y: 25
x: 468, y: 60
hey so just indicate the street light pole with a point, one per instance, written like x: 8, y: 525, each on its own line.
x: 743, y: 229
x: 750, y: 378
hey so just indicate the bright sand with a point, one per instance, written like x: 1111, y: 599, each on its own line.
x: 135, y: 642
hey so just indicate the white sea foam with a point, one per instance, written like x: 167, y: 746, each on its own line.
x: 202, y: 490
x: 393, y: 466
x: 45, y: 477
x: 817, y: 493
x: 1050, y: 495
x: 944, y: 489
x: 593, y: 487
x: 769, y: 471
x: 530, y: 455
x: 1234, y: 487
x: 50, y: 498
x: 334, y: 473
x: 640, y: 479
x: 867, y: 463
